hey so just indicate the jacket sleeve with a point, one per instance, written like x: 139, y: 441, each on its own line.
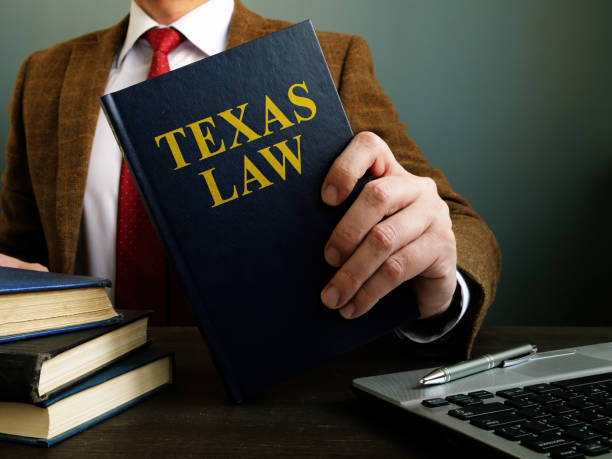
x: 21, y: 233
x: 370, y: 109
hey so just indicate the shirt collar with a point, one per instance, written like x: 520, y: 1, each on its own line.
x: 206, y: 26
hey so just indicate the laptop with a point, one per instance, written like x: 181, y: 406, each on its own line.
x: 556, y: 404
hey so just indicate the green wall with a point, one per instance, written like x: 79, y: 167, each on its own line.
x: 512, y: 99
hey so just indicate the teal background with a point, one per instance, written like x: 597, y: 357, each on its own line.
x: 512, y: 99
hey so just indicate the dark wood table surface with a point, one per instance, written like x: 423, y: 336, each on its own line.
x: 314, y: 414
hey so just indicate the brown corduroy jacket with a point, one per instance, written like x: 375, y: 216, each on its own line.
x: 54, y: 110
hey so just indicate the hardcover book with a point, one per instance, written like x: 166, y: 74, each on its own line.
x: 31, y: 370
x: 34, y: 303
x: 229, y: 154
x: 89, y: 402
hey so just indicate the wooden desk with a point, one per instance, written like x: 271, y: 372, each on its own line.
x: 315, y: 414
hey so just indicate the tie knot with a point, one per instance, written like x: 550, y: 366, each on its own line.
x: 164, y: 39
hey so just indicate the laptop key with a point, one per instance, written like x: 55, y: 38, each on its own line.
x: 607, y: 402
x: 491, y: 422
x: 565, y: 422
x: 581, y: 404
x: 602, y: 401
x: 469, y: 412
x: 540, y: 427
x: 602, y: 398
x: 568, y: 395
x: 594, y: 449
x: 590, y: 416
x: 566, y: 452
x: 607, y: 410
x: 606, y: 442
x: 589, y: 391
x: 546, y: 442
x: 604, y: 428
x: 463, y: 400
x: 606, y: 386
x: 533, y: 413
x: 520, y: 403
x: 512, y: 433
x: 481, y: 394
x: 541, y: 388
x: 558, y: 410
x: 545, y: 399
x: 582, y: 434
x: 434, y: 402
x: 515, y: 392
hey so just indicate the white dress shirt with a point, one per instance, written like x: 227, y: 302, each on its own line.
x: 206, y: 29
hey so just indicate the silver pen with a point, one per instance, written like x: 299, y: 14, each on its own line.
x: 485, y: 362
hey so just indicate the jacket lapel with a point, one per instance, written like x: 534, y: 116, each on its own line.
x: 84, y: 82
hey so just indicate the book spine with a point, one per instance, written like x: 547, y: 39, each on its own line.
x: 113, y: 114
x: 19, y: 376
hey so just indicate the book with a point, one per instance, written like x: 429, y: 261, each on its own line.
x: 229, y: 154
x: 31, y: 370
x: 34, y: 303
x: 89, y: 402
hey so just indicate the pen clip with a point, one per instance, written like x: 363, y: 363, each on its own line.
x: 519, y: 360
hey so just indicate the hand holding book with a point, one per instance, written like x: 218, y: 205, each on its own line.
x: 397, y: 229
x: 232, y: 179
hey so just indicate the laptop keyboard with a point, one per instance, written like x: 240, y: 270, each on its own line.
x: 571, y: 418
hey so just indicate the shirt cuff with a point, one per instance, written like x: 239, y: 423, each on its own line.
x: 424, y: 335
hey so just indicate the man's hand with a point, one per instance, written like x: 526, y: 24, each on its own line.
x: 10, y: 262
x: 376, y: 254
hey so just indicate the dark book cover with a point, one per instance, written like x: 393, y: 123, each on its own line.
x: 230, y: 154
x: 21, y: 361
x: 13, y: 280
x: 130, y: 363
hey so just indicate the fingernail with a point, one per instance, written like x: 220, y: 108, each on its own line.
x: 330, y: 194
x: 332, y: 256
x: 330, y: 296
x: 347, y: 311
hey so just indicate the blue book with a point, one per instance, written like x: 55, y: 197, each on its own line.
x: 34, y: 303
x: 89, y: 402
x: 32, y: 370
x: 229, y: 154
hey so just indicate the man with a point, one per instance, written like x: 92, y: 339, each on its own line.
x: 61, y: 183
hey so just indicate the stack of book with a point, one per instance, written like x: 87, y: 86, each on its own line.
x: 68, y: 360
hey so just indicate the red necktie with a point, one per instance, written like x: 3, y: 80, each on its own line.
x: 141, y: 280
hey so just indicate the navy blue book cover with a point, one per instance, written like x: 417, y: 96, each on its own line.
x: 13, y: 280
x: 230, y: 154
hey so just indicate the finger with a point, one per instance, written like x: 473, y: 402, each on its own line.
x: 386, y: 238
x: 378, y: 199
x: 427, y: 254
x: 10, y: 262
x: 434, y: 285
x: 365, y: 151
x: 434, y: 295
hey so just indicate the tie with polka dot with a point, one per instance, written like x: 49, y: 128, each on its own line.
x: 141, y: 275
